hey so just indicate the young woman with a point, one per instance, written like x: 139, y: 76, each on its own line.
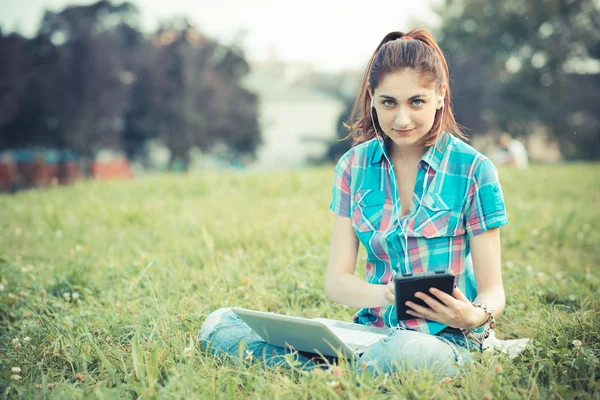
x: 418, y: 198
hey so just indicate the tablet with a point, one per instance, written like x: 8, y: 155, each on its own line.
x: 407, y: 286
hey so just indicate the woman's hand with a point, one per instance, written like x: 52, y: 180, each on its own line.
x: 456, y: 312
x: 389, y: 292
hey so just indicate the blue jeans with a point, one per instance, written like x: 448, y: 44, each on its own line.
x: 223, y: 332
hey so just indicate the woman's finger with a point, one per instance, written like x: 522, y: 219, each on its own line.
x: 443, y: 297
x: 431, y: 302
x: 458, y: 294
x: 424, y: 312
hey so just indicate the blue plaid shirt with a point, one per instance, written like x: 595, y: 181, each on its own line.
x: 462, y: 199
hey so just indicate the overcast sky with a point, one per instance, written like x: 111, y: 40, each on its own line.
x: 330, y: 34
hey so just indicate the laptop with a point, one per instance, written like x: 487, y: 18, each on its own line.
x: 317, y: 335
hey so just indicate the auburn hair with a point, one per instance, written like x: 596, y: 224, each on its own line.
x: 416, y: 50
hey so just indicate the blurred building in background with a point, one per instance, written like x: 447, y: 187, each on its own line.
x: 297, y: 117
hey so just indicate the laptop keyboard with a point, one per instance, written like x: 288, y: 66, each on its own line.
x: 356, y: 338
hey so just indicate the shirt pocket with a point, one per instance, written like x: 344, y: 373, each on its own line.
x: 437, y: 216
x: 368, y: 209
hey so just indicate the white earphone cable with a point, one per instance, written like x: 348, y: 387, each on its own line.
x: 406, y: 270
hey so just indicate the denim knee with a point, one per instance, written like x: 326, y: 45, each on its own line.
x: 404, y: 350
x: 210, y: 323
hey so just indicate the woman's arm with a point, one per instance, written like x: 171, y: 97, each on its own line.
x: 486, y: 254
x: 341, y: 285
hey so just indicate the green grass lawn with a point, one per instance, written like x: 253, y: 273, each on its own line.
x: 104, y: 287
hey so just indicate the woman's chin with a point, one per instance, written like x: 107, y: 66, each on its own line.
x: 408, y: 140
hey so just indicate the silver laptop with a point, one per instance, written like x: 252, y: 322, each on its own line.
x: 318, y: 335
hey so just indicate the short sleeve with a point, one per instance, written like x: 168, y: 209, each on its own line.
x: 340, y: 192
x: 485, y: 207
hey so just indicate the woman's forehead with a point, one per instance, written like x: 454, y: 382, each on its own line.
x: 405, y: 83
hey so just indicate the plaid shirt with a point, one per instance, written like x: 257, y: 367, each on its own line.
x: 462, y: 199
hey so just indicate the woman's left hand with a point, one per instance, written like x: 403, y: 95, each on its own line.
x: 456, y: 312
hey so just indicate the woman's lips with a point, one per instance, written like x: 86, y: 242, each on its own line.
x: 403, y: 133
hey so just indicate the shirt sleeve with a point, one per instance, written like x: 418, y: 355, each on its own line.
x: 340, y: 192
x: 485, y: 207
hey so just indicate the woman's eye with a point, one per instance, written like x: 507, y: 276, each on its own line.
x: 418, y: 102
x: 388, y: 103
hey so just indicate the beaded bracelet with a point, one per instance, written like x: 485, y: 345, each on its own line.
x: 483, y: 331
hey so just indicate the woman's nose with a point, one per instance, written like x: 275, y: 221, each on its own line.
x: 402, y: 119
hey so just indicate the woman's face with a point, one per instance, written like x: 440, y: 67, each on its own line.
x: 406, y: 104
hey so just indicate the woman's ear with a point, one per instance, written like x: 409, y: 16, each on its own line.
x: 441, y: 96
x: 371, y: 95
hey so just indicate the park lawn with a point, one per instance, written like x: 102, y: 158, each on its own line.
x: 104, y: 287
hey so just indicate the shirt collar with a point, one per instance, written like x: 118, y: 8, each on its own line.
x: 433, y: 156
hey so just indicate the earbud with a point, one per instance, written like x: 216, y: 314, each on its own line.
x: 372, y: 102
x: 440, y: 98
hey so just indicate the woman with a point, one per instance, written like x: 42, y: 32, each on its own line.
x: 419, y: 199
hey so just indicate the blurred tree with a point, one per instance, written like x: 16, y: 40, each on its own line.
x: 181, y: 91
x: 17, y: 72
x: 90, y: 79
x: 517, y: 65
x: 235, y: 109
x: 85, y: 88
x: 15, y: 75
x: 191, y: 94
x: 143, y: 65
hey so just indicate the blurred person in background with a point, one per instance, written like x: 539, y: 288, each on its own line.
x: 419, y: 199
x: 511, y: 152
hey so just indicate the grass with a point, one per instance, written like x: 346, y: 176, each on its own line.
x: 105, y: 286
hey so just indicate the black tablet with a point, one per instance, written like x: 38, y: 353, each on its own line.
x: 407, y: 286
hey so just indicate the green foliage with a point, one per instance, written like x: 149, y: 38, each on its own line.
x: 519, y: 65
x: 106, y: 286
x: 92, y: 79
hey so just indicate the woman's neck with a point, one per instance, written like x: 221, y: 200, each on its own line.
x: 406, y: 154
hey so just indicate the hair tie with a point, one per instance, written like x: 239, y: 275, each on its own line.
x: 406, y: 38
